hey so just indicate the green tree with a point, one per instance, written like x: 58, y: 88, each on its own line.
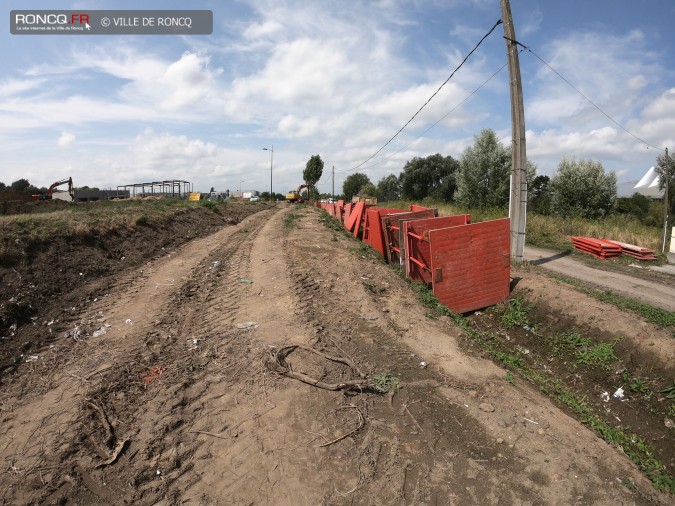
x: 485, y: 167
x: 582, y: 188
x: 484, y: 178
x: 369, y: 189
x: 20, y: 185
x: 353, y: 184
x: 539, y: 195
x: 3, y: 186
x: 313, y: 170
x: 637, y: 205
x: 433, y: 176
x: 388, y: 188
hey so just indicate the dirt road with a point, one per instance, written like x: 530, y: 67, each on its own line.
x: 164, y: 391
x: 653, y: 293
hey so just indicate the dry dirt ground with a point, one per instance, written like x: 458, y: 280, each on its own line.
x: 157, y: 386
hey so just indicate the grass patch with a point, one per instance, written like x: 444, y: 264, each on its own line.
x: 385, y: 382
x: 291, y: 220
x: 587, y: 355
x: 598, y: 356
x: 516, y: 313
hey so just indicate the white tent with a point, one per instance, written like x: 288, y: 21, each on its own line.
x: 649, y: 185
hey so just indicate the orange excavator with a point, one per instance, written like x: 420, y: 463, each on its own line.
x: 48, y: 194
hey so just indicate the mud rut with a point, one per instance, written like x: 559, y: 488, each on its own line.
x: 174, y: 402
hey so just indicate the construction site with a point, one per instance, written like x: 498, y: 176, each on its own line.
x: 180, y: 358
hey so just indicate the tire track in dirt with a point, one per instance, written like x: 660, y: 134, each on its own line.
x: 94, y: 368
x: 216, y: 426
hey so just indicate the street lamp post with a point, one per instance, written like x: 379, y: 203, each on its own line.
x: 271, y: 150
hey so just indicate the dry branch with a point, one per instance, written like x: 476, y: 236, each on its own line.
x: 115, y: 454
x: 104, y: 421
x: 362, y: 422
x: 282, y: 367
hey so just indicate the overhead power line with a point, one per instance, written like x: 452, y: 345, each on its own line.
x: 466, y: 99
x: 588, y: 99
x: 431, y: 97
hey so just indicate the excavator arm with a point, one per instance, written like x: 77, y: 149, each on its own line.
x: 48, y: 194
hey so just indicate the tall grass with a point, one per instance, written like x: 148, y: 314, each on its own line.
x: 553, y: 231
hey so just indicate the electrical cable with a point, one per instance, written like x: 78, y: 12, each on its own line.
x: 588, y: 99
x: 432, y: 96
x: 466, y: 99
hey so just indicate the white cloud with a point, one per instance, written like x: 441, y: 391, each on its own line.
x: 67, y: 139
x: 292, y: 127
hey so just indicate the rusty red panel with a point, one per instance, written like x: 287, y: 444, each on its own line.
x: 373, y: 233
x: 348, y: 212
x: 354, y: 220
x: 421, y: 250
x: 391, y: 228
x: 471, y: 264
x: 415, y: 207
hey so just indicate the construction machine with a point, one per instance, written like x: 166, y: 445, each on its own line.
x: 48, y: 194
x: 294, y: 196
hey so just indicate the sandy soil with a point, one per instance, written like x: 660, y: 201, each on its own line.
x: 157, y: 388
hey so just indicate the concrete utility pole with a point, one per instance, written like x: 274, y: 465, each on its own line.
x: 271, y: 150
x: 665, y: 203
x: 333, y: 194
x: 518, y: 199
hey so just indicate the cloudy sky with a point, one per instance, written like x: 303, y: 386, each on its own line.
x: 334, y: 78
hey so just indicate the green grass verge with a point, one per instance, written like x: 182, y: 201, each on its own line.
x: 661, y: 317
x: 638, y: 450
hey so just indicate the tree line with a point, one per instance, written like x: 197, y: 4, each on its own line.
x: 481, y: 179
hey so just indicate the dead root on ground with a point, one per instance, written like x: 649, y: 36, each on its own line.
x: 277, y: 361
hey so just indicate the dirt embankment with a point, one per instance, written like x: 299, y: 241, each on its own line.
x: 160, y: 385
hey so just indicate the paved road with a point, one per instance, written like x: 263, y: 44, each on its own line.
x: 656, y: 294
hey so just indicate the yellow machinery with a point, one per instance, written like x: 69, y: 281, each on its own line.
x: 294, y: 196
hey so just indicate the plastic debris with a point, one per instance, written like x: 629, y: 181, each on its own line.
x: 369, y: 318
x: 527, y: 328
x: 215, y: 264
x: 30, y: 358
x: 423, y: 364
x: 246, y: 281
x: 128, y: 321
x: 154, y: 372
x: 99, y: 332
x: 247, y: 325
x: 605, y: 396
x: 619, y: 393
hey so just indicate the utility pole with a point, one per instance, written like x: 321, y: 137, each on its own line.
x: 665, y: 202
x: 333, y: 193
x: 518, y: 198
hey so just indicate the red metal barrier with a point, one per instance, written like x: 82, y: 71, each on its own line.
x: 353, y: 222
x: 417, y: 259
x: 372, y: 228
x: 393, y: 233
x: 471, y: 264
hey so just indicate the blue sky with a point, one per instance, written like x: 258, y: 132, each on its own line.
x: 335, y: 78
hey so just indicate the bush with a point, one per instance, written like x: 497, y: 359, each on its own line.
x: 581, y: 188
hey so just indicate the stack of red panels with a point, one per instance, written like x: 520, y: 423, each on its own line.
x: 636, y: 251
x: 598, y: 247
